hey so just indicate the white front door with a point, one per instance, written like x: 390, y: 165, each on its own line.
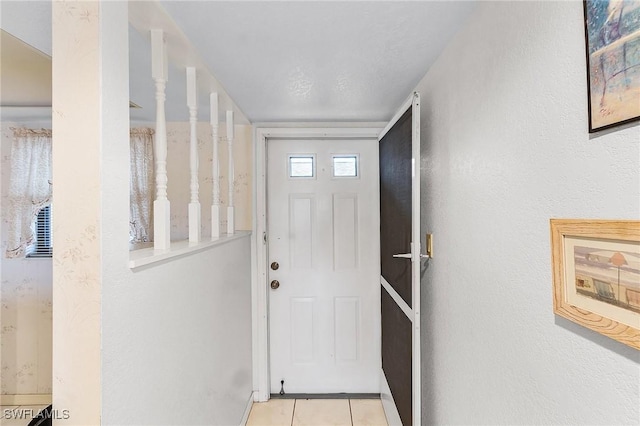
x: 323, y: 257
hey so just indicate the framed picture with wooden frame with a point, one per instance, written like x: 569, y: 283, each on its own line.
x: 596, y: 275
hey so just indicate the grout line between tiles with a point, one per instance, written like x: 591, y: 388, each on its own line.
x: 350, y: 413
x: 293, y: 413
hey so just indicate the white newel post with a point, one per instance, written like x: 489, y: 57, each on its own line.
x: 215, y: 205
x: 194, y: 204
x: 230, y: 209
x: 161, y: 206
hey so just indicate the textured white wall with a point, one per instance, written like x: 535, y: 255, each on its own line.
x: 90, y: 146
x: 177, y: 340
x: 505, y: 148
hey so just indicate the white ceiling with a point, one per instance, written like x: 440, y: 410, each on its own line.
x: 285, y: 60
x: 319, y: 61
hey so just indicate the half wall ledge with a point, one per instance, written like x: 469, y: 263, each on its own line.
x: 149, y: 256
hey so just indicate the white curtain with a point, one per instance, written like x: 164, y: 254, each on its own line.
x: 142, y: 184
x: 29, y: 186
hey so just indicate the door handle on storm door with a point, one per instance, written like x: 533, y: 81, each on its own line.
x: 408, y: 256
x: 404, y: 255
x: 429, y: 245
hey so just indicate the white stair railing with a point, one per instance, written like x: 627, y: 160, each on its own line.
x: 161, y: 205
x: 194, y: 204
x: 230, y: 208
x: 215, y: 204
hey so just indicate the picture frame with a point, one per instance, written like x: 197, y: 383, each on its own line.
x: 596, y: 275
x: 612, y: 34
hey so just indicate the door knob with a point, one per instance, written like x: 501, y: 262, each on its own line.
x: 275, y: 266
x: 275, y: 284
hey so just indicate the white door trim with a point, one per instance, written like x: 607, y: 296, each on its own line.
x: 260, y: 335
x: 405, y: 106
x: 416, y: 251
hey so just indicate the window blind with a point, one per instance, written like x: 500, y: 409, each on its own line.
x: 43, y: 245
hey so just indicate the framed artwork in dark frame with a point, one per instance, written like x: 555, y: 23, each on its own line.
x: 612, y: 32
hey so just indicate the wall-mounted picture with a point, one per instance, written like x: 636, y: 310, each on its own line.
x: 596, y: 275
x: 612, y: 30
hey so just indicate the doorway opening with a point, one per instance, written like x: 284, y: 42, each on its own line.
x: 316, y: 285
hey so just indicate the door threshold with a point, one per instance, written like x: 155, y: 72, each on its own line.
x: 326, y: 396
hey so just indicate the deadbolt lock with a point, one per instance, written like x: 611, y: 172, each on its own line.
x: 275, y: 284
x: 275, y: 266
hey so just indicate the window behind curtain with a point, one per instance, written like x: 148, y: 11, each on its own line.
x: 141, y: 186
x: 30, y: 187
x: 43, y: 244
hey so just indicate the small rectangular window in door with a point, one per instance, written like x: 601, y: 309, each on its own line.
x: 345, y: 166
x: 302, y: 166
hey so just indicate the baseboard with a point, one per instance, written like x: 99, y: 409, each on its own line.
x: 247, y: 410
x: 26, y: 399
x: 389, y: 405
x: 326, y: 396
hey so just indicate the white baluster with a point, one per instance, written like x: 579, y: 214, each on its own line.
x: 230, y: 209
x: 215, y: 205
x: 194, y: 204
x: 161, y: 205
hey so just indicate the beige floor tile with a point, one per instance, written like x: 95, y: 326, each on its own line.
x: 322, y: 412
x: 275, y: 412
x: 367, y: 412
x: 6, y: 407
x: 14, y: 422
x: 35, y: 408
x: 19, y: 415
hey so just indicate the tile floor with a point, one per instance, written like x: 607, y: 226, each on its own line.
x: 318, y: 412
x: 18, y: 415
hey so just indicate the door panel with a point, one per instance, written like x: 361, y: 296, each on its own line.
x: 302, y: 335
x: 347, y: 325
x: 395, y: 205
x: 324, y: 318
x: 400, y: 262
x: 302, y: 213
x: 345, y: 231
x: 396, y: 355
